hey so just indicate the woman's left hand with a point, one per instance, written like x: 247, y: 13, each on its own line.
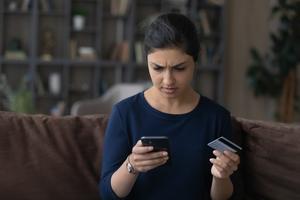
x: 224, y: 164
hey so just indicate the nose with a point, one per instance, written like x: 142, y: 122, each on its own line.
x: 168, y: 78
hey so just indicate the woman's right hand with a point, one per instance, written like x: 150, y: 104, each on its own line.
x: 143, y: 158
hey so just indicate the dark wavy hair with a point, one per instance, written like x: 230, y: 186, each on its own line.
x: 172, y: 30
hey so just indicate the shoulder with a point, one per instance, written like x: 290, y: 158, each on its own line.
x: 128, y: 104
x: 213, y: 108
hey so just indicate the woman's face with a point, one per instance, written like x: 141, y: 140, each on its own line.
x: 171, y: 71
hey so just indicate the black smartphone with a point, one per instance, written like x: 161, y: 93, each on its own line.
x: 159, y: 143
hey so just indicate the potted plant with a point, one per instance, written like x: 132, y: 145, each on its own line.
x: 79, y: 18
x: 274, y: 74
x: 16, y: 101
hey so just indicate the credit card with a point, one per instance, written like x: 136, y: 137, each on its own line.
x: 221, y: 144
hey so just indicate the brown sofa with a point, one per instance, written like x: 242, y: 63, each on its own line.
x: 58, y: 158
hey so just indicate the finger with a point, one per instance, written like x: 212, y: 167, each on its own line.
x: 223, y: 158
x: 220, y: 170
x: 232, y: 156
x: 220, y: 163
x: 230, y: 160
x: 149, y: 156
x: 227, y: 167
x: 217, y: 153
x: 139, y: 143
x: 149, y: 166
x: 160, y: 154
x: 153, y: 162
x: 141, y: 149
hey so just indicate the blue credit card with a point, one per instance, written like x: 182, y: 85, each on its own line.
x: 221, y: 144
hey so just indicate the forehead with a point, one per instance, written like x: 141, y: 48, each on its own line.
x: 168, y: 56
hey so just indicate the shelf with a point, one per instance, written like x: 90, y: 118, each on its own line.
x: 87, y: 30
x: 208, y: 67
x: 140, y: 65
x: 57, y: 13
x: 50, y: 96
x: 111, y: 63
x: 78, y: 91
x: 52, y: 62
x: 85, y: 1
x: 14, y: 62
x: 82, y: 78
x: 212, y: 36
x: 149, y: 3
x: 210, y: 6
x: 79, y: 62
x: 115, y: 17
x: 17, y: 13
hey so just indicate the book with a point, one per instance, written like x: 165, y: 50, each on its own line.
x: 123, y: 7
x: 119, y: 7
x: 25, y: 5
x: 73, y: 49
x: 139, y: 54
x: 119, y: 30
x: 44, y: 5
x: 124, y: 54
x: 218, y: 53
x: 217, y: 2
x: 39, y: 85
x: 120, y: 52
x: 203, y: 54
x: 87, y: 53
x: 15, y: 55
x: 204, y: 22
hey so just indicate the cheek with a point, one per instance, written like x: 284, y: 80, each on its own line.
x: 155, y: 77
x: 185, y: 78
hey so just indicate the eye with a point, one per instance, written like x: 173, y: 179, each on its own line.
x: 156, y: 68
x: 179, y: 68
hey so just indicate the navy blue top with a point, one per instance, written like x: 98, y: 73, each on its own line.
x: 188, y: 176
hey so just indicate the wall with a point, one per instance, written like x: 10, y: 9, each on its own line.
x: 248, y: 26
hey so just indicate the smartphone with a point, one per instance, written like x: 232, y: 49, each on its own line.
x: 159, y: 143
x: 221, y: 144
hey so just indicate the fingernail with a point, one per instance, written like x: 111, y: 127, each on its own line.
x: 150, y: 148
x: 165, y: 153
x: 211, y: 160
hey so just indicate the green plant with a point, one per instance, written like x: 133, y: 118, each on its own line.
x: 17, y: 101
x: 79, y: 11
x: 274, y: 74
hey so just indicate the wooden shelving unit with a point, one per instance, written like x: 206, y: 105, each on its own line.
x: 89, y: 78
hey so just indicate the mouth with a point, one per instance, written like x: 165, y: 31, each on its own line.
x: 169, y: 90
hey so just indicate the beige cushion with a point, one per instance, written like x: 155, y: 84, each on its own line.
x: 105, y: 103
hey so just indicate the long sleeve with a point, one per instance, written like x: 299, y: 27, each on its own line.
x: 115, y: 151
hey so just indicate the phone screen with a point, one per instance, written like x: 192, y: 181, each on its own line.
x: 159, y: 143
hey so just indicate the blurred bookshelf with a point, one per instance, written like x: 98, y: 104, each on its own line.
x: 86, y: 46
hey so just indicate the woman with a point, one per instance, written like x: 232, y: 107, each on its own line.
x: 169, y: 108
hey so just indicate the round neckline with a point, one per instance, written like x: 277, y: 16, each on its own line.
x: 169, y: 115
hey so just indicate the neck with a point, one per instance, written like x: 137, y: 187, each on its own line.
x: 184, y: 103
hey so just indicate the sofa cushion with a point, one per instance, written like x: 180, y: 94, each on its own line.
x: 271, y: 157
x: 238, y: 175
x: 43, y: 157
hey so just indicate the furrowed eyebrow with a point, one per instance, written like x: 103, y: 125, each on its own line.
x: 177, y: 65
